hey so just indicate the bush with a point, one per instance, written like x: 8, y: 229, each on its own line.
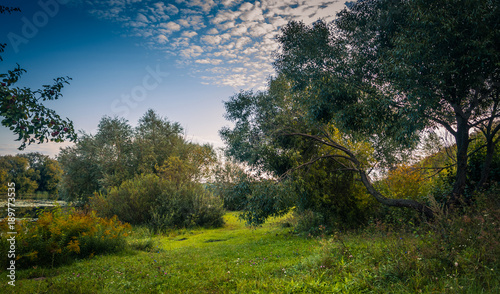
x: 184, y: 206
x: 309, y: 223
x: 160, y: 203
x: 61, y: 236
x: 132, y: 202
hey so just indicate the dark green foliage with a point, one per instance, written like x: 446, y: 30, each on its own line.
x: 388, y: 70
x: 476, y: 163
x: 334, y: 197
x: 148, y: 175
x: 49, y: 172
x: 186, y: 206
x: 160, y: 203
x: 155, y: 140
x: 17, y: 169
x: 31, y: 172
x: 81, y: 170
x: 132, y: 201
x: 272, y: 134
x: 267, y: 199
x: 235, y: 195
x: 117, y: 152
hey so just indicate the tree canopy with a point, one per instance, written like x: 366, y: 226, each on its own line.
x: 383, y: 72
x: 118, y: 152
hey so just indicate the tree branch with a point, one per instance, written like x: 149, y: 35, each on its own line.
x: 334, y: 156
x: 425, y: 210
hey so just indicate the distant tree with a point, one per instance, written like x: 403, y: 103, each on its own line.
x: 48, y: 170
x: 81, y: 169
x: 117, y: 153
x: 114, y: 151
x: 22, y: 109
x: 16, y: 169
x: 155, y: 140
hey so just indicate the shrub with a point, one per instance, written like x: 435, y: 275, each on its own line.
x: 132, y: 201
x: 60, y: 236
x: 309, y: 223
x: 186, y: 205
x: 160, y: 203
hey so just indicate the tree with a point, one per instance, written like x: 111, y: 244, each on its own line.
x: 155, y: 140
x: 383, y: 73
x: 48, y: 169
x: 114, y: 147
x: 117, y: 152
x: 22, y: 109
x: 389, y: 70
x: 272, y: 134
x: 16, y: 169
x: 98, y: 162
x: 81, y: 169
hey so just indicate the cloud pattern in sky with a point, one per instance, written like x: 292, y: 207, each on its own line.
x: 225, y: 43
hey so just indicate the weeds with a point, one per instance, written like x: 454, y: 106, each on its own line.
x: 59, y: 236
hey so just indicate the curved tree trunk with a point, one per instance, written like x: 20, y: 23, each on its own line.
x: 357, y: 167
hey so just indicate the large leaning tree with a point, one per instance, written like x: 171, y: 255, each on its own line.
x: 22, y: 109
x: 384, y: 72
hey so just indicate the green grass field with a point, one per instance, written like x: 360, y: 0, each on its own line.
x: 268, y: 259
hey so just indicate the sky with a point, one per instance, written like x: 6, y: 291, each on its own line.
x: 182, y: 58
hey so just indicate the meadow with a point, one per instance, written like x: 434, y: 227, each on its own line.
x: 267, y: 259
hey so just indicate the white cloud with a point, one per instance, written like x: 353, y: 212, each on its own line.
x: 180, y: 43
x: 252, y: 15
x: 226, y: 25
x: 189, y: 34
x: 193, y: 21
x: 227, y: 42
x: 162, y: 39
x: 213, y: 31
x: 191, y: 52
x: 239, y: 30
x: 229, y: 3
x: 171, y: 26
x: 212, y: 40
x: 225, y: 36
x: 223, y: 16
x: 209, y: 61
x: 140, y: 17
x: 171, y: 9
x: 205, y: 5
x: 242, y: 42
x: 249, y: 51
x: 261, y: 29
x: 136, y: 24
x: 246, y: 6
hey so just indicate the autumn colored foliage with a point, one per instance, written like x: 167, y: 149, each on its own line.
x: 60, y: 236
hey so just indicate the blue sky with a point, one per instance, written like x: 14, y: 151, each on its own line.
x: 180, y: 58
